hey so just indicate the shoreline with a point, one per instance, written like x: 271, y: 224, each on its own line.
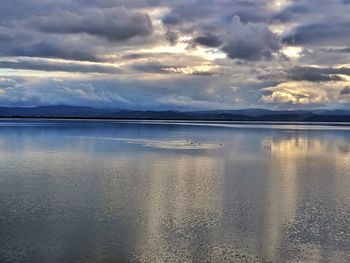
x: 213, y: 123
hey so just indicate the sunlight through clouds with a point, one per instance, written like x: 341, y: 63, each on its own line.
x: 297, y: 47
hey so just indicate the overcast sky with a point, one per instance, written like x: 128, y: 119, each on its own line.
x: 183, y: 54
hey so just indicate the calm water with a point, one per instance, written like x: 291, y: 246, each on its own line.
x: 104, y: 191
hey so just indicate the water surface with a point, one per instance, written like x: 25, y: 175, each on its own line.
x: 108, y: 191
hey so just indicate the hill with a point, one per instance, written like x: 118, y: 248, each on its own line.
x: 64, y: 111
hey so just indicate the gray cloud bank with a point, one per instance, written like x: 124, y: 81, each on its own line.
x: 226, y: 53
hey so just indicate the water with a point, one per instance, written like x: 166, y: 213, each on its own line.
x: 107, y: 191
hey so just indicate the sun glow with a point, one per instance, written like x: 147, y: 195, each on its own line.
x: 292, y: 52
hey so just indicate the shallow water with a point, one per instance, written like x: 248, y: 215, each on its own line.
x: 108, y: 191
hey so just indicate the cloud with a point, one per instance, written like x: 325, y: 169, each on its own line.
x: 294, y: 94
x: 148, y: 55
x: 87, y: 92
x: 205, y: 12
x: 194, y: 71
x: 6, y: 34
x: 250, y: 41
x: 307, y: 70
x: 102, y: 92
x: 304, y: 93
x: 308, y: 73
x: 323, y: 56
x: 150, y: 67
x: 292, y: 11
x: 337, y: 50
x: 82, y: 31
x: 159, y: 68
x: 6, y: 82
x: 184, y: 101
x: 45, y: 65
x: 114, y: 24
x: 319, y: 34
x: 153, y: 52
x: 172, y: 37
x: 345, y: 91
x: 171, y: 19
x: 313, y: 74
x: 209, y: 40
x: 61, y: 49
x: 54, y: 92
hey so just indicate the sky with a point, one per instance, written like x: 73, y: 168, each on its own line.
x: 180, y: 55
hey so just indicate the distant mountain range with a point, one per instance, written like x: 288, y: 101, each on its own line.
x: 63, y: 111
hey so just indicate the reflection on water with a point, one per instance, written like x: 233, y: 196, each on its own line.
x: 75, y: 191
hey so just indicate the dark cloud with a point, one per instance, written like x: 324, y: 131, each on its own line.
x: 307, y: 73
x: 147, y: 55
x: 43, y: 65
x: 208, y: 13
x: 313, y: 74
x: 133, y: 56
x: 247, y: 16
x: 209, y: 40
x: 292, y: 11
x: 250, y: 41
x: 177, y: 59
x: 337, y: 50
x: 171, y: 19
x: 172, y: 37
x: 345, y: 91
x: 319, y: 34
x: 323, y: 56
x: 324, y: 71
x: 117, y: 3
x: 90, y: 35
x: 150, y: 67
x: 159, y: 68
x: 6, y: 34
x: 72, y: 30
x: 115, y: 24
x: 52, y: 49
